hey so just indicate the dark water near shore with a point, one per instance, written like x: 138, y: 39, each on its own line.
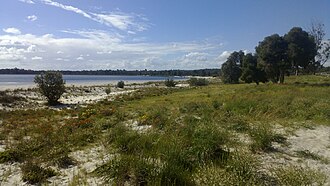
x: 12, y: 81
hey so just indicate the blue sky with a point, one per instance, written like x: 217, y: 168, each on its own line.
x: 143, y: 34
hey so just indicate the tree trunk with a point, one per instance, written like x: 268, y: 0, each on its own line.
x: 297, y: 69
x: 281, y: 76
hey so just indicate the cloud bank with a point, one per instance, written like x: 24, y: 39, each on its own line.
x: 98, y: 49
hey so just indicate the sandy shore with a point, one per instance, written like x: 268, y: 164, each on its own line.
x: 75, y: 95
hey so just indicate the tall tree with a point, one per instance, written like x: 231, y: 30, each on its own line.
x: 323, y: 46
x: 272, y: 56
x: 237, y: 57
x: 250, y: 70
x: 230, y: 70
x: 301, y: 48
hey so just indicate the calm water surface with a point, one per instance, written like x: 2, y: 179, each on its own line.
x: 13, y: 81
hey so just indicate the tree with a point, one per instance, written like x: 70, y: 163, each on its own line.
x: 237, y: 57
x: 301, y: 48
x: 322, y: 45
x: 230, y: 70
x: 250, y: 70
x: 51, y: 85
x: 273, y: 58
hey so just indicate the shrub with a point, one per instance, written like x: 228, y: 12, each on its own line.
x: 170, y: 83
x: 5, y: 98
x: 263, y: 136
x: 120, y: 84
x: 198, y: 82
x: 10, y: 156
x: 35, y: 174
x: 108, y: 90
x: 51, y: 85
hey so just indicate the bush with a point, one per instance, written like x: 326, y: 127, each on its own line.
x: 120, y: 84
x: 170, y: 83
x: 51, y: 85
x: 108, y: 90
x: 5, y: 98
x: 198, y: 82
x: 10, y: 156
x: 35, y: 174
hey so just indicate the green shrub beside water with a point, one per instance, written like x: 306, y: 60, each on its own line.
x: 198, y: 82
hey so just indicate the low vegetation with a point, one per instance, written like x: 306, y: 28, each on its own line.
x: 170, y: 83
x: 198, y: 82
x: 120, y: 84
x: 210, y: 135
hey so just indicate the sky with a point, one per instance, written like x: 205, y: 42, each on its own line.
x: 143, y: 34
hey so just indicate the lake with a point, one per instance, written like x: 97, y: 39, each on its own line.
x: 12, y: 81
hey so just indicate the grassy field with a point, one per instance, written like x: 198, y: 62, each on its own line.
x: 209, y: 135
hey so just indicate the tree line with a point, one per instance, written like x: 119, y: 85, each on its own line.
x: 277, y: 56
x: 199, y: 72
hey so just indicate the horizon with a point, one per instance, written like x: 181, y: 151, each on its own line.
x: 163, y: 35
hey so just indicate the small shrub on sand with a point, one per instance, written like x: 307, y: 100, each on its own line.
x: 170, y: 83
x: 120, y: 84
x: 263, y: 137
x: 34, y: 174
x: 108, y: 90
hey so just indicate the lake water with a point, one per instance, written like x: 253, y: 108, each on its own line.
x: 12, y: 81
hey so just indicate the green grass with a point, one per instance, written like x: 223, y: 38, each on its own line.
x: 194, y: 134
x: 293, y: 175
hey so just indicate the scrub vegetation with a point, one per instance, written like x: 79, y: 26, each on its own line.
x: 199, y: 135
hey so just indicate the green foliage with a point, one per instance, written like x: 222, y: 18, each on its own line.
x: 302, y: 48
x: 7, y: 99
x: 250, y: 70
x: 293, y: 175
x: 120, y: 84
x: 108, y: 90
x: 170, y: 83
x: 272, y: 56
x: 309, y: 155
x: 51, y: 85
x: 263, y: 137
x: 241, y: 169
x: 191, y: 138
x: 230, y: 72
x: 10, y: 156
x: 34, y: 174
x: 198, y: 82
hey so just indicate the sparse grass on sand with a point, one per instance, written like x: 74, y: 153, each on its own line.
x: 210, y: 135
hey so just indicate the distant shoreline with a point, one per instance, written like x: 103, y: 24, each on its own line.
x: 20, y: 81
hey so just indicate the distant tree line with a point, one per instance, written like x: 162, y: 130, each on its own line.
x: 200, y: 72
x: 277, y: 56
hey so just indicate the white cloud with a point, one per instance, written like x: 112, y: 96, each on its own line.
x: 80, y: 58
x: 104, y: 50
x: 119, y: 20
x: 12, y: 30
x: 32, y: 17
x: 27, y: 1
x: 122, y: 21
x: 223, y: 56
x: 66, y: 7
x: 36, y: 58
x: 196, y: 56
